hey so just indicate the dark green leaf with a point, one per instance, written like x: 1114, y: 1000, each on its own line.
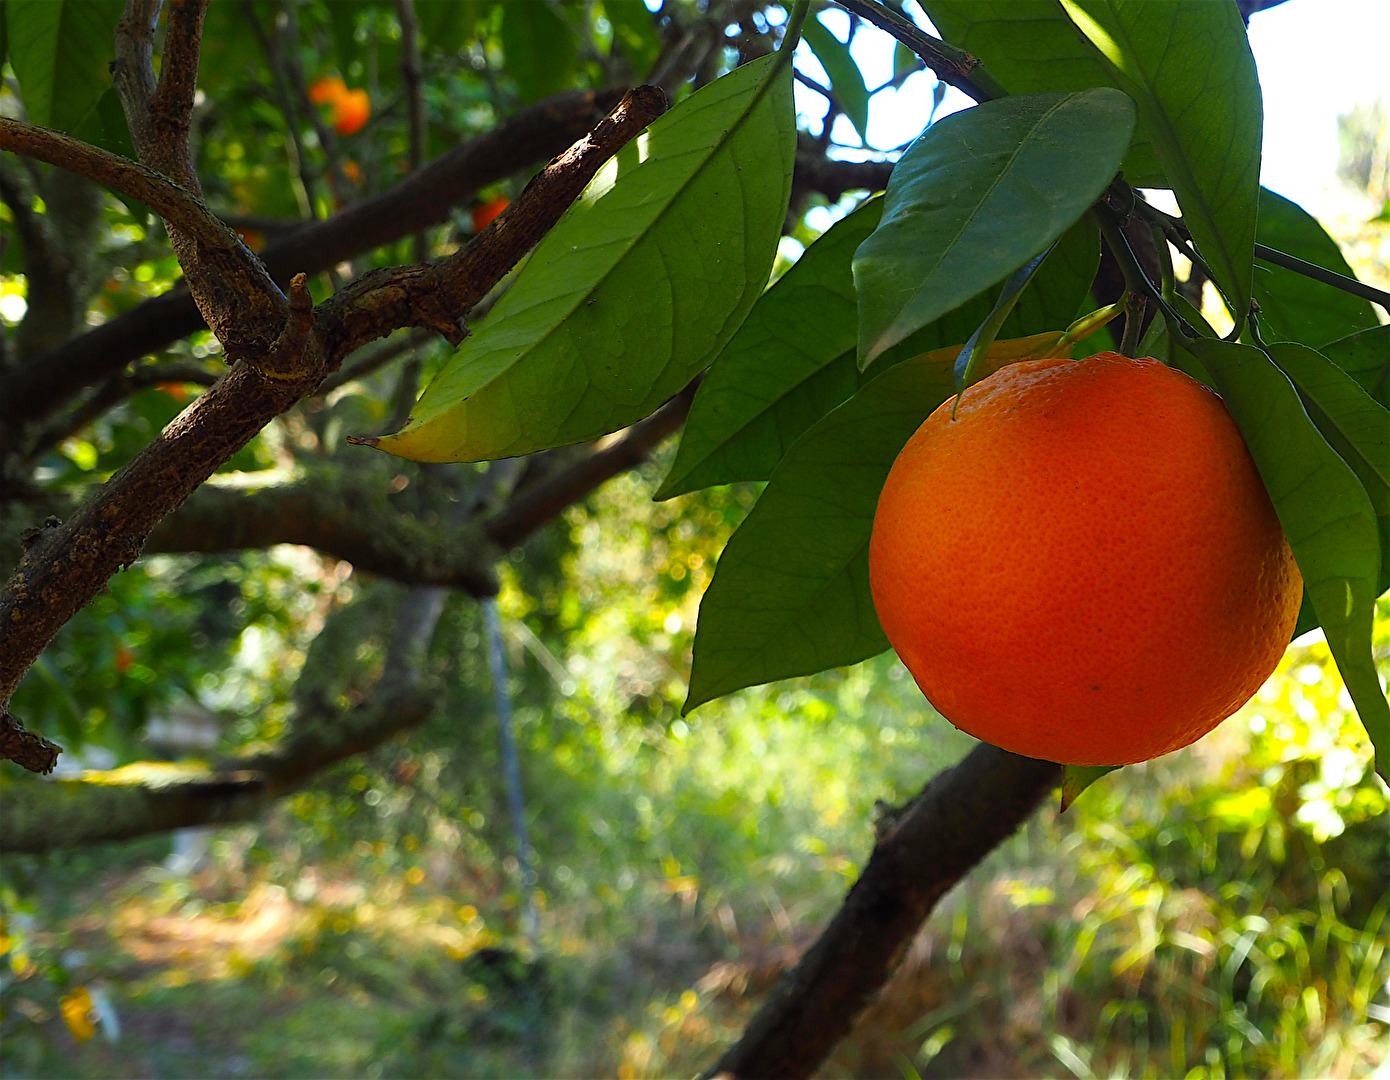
x: 1294, y: 307
x: 1061, y: 287
x: 1326, y: 514
x: 447, y: 25
x: 790, y: 363
x: 61, y: 51
x: 975, y: 197
x: 1189, y: 69
x: 967, y: 364
x: 640, y: 284
x: 790, y: 595
x: 539, y: 49
x: 1031, y: 47
x: 1353, y: 422
x: 1077, y: 778
x: 904, y: 60
x: 634, y: 32
x: 846, y: 80
x: 1366, y: 358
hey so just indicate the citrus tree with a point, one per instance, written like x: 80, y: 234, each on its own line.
x: 620, y: 293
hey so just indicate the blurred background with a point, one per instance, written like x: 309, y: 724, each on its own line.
x: 1223, y: 911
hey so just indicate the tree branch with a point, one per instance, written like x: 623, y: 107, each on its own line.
x: 342, y: 516
x: 422, y: 199
x: 958, y: 818
x: 435, y: 295
x: 175, y: 204
x: 61, y: 574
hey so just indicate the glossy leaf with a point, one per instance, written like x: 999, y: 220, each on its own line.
x: 980, y: 193
x: 967, y: 365
x: 1294, y: 307
x: 1062, y: 284
x: 60, y: 51
x: 790, y: 595
x: 1326, y: 514
x: 1189, y: 69
x: 846, y: 80
x: 634, y: 291
x: 1031, y: 47
x: 1353, y: 422
x: 1365, y: 356
x: 539, y: 49
x: 790, y: 363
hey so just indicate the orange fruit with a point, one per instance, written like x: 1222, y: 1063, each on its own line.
x: 327, y: 91
x: 484, y: 212
x: 1083, y: 566
x: 351, y: 111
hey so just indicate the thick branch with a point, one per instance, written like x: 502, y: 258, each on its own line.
x: 171, y: 106
x: 149, y: 798
x: 956, y: 820
x: 423, y: 199
x: 352, y: 521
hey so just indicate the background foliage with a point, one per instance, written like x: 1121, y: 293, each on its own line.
x: 1220, y: 912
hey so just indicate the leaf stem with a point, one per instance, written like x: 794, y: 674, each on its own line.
x: 1176, y: 231
x: 796, y: 19
x: 1136, y: 280
x: 1135, y: 305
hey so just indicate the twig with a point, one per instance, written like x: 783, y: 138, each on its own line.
x: 426, y: 198
x: 174, y: 203
x: 951, y: 65
x: 436, y: 295
x: 1176, y: 230
x: 112, y: 393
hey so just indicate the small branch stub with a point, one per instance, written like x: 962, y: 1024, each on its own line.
x: 26, y: 748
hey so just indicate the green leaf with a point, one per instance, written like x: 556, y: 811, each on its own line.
x: 1031, y: 47
x: 967, y: 366
x: 1294, y: 307
x: 1326, y: 513
x: 790, y: 595
x: 1189, y: 69
x: 1353, y: 422
x: 846, y: 80
x: 1077, y: 778
x: 640, y: 284
x: 539, y: 49
x: 634, y: 32
x: 980, y: 193
x: 1061, y: 286
x: 447, y: 25
x: 61, y: 51
x: 791, y: 362
x: 1365, y: 356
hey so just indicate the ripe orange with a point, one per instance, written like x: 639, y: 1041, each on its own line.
x: 484, y: 212
x: 327, y: 90
x: 1083, y: 566
x: 351, y: 111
